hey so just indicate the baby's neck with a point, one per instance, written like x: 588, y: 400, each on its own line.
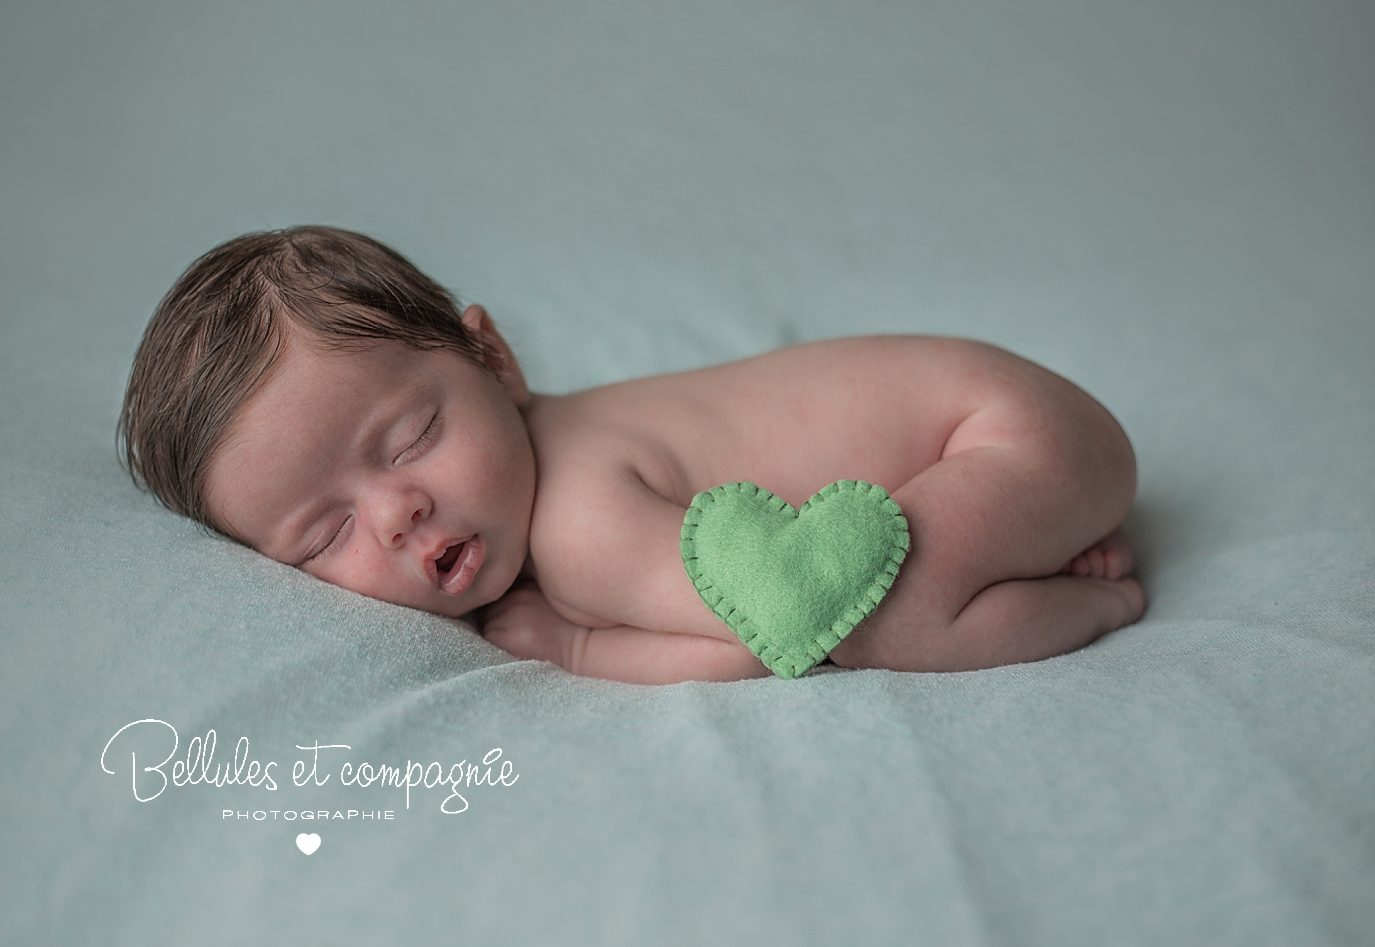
x: 530, y: 413
x: 536, y: 403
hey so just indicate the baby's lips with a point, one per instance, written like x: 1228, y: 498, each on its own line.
x: 469, y: 561
x: 431, y: 561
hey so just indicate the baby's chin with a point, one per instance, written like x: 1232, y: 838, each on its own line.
x: 487, y: 589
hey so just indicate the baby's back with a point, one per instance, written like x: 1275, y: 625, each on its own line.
x: 619, y: 465
x: 876, y: 408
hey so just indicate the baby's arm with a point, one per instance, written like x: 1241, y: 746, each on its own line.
x: 523, y: 624
x: 639, y: 656
x: 614, y: 559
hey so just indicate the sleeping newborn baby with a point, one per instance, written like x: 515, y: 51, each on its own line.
x: 309, y: 393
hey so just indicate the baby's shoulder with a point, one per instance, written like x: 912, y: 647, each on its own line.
x: 584, y: 518
x: 584, y: 434
x: 581, y: 443
x: 638, y: 426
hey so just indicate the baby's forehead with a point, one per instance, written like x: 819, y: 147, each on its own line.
x: 308, y: 419
x: 383, y: 359
x: 338, y: 394
x: 351, y: 373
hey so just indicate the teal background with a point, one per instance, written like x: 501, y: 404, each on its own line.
x: 1170, y: 203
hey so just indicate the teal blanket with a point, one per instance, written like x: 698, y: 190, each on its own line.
x: 1171, y: 206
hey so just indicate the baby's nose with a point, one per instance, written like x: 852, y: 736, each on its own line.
x: 397, y: 512
x: 416, y: 517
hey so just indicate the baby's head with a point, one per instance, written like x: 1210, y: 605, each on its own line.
x: 309, y: 393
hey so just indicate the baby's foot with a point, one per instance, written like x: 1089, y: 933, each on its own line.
x: 1111, y: 558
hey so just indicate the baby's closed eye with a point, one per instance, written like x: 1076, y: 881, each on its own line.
x: 335, y: 540
x: 418, y: 446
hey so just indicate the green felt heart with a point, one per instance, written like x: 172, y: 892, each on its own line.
x: 792, y: 584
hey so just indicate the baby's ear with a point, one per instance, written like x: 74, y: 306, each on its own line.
x: 498, y: 358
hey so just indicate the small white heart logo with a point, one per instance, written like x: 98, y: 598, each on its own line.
x: 308, y: 843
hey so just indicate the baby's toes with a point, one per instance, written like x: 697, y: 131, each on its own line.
x: 1098, y: 566
x: 1088, y: 564
x: 1112, y: 565
x: 1117, y: 556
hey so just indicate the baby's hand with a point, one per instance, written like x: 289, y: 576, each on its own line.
x: 524, y: 624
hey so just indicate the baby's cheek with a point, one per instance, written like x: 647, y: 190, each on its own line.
x: 489, y: 472
x: 503, y: 467
x: 354, y: 571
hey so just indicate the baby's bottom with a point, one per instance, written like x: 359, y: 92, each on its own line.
x: 1015, y: 496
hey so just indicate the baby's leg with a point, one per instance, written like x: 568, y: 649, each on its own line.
x: 1021, y: 488
x: 1017, y: 621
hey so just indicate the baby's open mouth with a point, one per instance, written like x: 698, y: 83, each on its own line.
x: 456, y: 568
x: 446, y: 562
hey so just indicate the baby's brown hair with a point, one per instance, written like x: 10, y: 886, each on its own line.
x: 217, y: 333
